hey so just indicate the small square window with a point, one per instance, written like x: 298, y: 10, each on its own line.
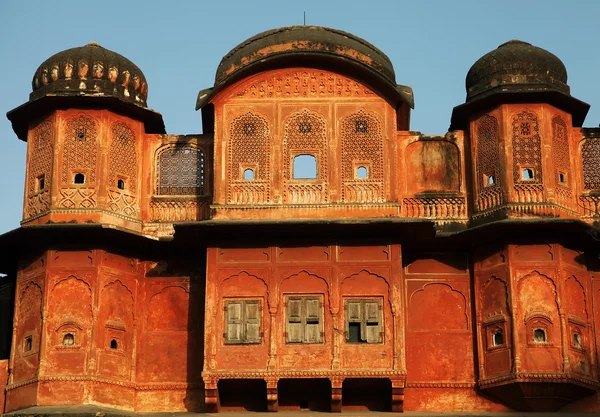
x: 40, y: 182
x: 28, y: 344
x: 489, y: 180
x: 527, y: 174
x: 562, y: 178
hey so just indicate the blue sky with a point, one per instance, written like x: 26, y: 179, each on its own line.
x: 178, y: 45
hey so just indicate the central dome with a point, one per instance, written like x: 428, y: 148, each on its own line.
x: 309, y: 43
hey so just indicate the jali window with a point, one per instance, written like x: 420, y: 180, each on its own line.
x: 180, y: 171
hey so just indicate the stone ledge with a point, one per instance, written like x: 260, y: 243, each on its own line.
x: 95, y: 411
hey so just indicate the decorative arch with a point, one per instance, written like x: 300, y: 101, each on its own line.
x: 122, y: 157
x: 362, y: 142
x: 464, y: 325
x: 560, y: 152
x: 250, y: 145
x: 306, y: 273
x: 536, y: 289
x: 35, y: 296
x: 180, y: 170
x: 171, y: 314
x: 488, y: 155
x: 117, y: 283
x: 77, y: 279
x: 305, y: 132
x: 376, y: 276
x: 488, y: 284
x: 572, y: 292
x: 590, y: 156
x: 80, y: 148
x: 527, y: 147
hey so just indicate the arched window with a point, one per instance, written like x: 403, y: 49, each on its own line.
x: 527, y: 174
x: 79, y: 178
x: 498, y: 338
x: 539, y: 336
x: 248, y: 174
x: 114, y: 344
x: 180, y: 171
x: 305, y: 167
x: 577, y: 340
x: 362, y: 173
x: 68, y: 339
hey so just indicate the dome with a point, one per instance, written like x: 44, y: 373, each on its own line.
x: 90, y: 70
x: 516, y: 66
x: 303, y: 42
x: 312, y: 47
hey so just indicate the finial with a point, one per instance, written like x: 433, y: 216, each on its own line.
x: 93, y: 43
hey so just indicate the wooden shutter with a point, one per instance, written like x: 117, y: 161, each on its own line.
x: 313, y: 320
x: 252, y: 310
x: 234, y: 333
x: 294, y: 325
x: 353, y: 315
x: 372, y: 324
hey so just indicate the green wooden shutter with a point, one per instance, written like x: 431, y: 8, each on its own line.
x: 252, y: 311
x: 234, y: 331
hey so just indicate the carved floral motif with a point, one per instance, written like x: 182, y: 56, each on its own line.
x: 307, y: 83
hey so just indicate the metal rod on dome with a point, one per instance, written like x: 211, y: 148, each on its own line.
x: 304, y: 18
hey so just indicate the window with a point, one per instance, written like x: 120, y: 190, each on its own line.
x: 242, y: 321
x: 539, y: 328
x: 68, y: 339
x: 304, y: 320
x: 121, y: 184
x: 180, y: 171
x: 41, y: 182
x: 362, y: 173
x: 364, y: 321
x: 114, y: 344
x: 489, y: 180
x: 527, y: 174
x: 498, y: 338
x: 562, y: 178
x: 539, y: 336
x: 577, y: 341
x: 79, y: 179
x: 28, y: 344
x: 305, y: 167
x: 248, y: 174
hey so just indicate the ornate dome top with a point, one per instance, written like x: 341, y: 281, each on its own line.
x: 90, y: 70
x: 519, y: 67
x: 302, y: 42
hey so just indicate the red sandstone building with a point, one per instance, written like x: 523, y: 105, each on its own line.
x: 308, y: 250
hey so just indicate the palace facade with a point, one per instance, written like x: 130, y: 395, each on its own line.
x: 307, y: 250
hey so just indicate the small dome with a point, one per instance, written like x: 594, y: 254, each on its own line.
x: 516, y: 66
x: 304, y: 42
x: 90, y: 70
